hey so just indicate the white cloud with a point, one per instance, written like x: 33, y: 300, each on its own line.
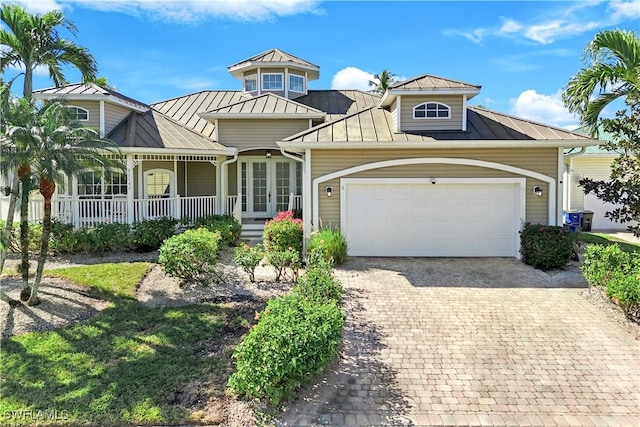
x: 192, y: 83
x: 188, y: 10
x: 547, y: 109
x: 564, y: 22
x: 351, y: 78
x: 39, y: 6
x: 40, y: 70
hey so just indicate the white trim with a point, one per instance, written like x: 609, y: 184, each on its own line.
x: 439, y: 91
x: 560, y: 181
x: 399, y: 113
x: 259, y: 73
x: 520, y: 182
x: 172, y: 181
x: 71, y: 106
x: 304, y: 83
x: 551, y: 197
x: 103, y: 125
x: 464, y: 113
x: 433, y: 145
x: 286, y: 82
x: 109, y: 98
x: 271, y: 74
x: 216, y: 130
x: 244, y: 87
x: 438, y: 104
x: 142, y: 150
x: 309, y: 221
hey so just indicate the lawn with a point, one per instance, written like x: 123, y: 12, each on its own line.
x: 607, y: 239
x: 128, y: 365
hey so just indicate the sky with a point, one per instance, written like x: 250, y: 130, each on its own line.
x: 521, y: 53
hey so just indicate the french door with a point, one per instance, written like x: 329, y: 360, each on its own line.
x: 266, y: 185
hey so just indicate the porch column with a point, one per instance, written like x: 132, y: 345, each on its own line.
x: 307, y: 196
x: 220, y: 207
x: 223, y: 190
x: 130, y: 204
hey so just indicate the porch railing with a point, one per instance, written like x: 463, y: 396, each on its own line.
x: 231, y: 204
x: 295, y: 202
x: 198, y: 206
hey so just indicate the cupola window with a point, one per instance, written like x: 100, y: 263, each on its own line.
x: 296, y: 83
x: 272, y: 82
x: 251, y: 83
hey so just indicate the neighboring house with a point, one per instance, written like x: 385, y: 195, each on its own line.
x: 416, y: 172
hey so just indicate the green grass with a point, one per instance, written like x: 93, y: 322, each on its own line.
x: 108, y: 280
x: 606, y: 239
x: 130, y: 365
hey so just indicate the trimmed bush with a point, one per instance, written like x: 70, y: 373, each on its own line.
x: 191, y: 256
x: 283, y: 233
x: 293, y: 342
x: 249, y: 258
x: 318, y: 284
x: 35, y: 237
x: 618, y: 272
x: 228, y: 227
x: 331, y: 243
x: 546, y: 247
x: 148, y: 235
x: 285, y: 260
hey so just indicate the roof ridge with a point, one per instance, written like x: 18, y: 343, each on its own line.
x: 268, y: 94
x: 191, y: 94
x: 153, y: 110
x: 421, y: 76
x: 511, y: 116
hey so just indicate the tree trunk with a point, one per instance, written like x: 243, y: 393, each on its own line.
x: 25, y: 178
x: 6, y: 233
x: 47, y: 188
x: 27, y: 90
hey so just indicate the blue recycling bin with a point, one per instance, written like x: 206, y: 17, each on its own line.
x: 573, y: 219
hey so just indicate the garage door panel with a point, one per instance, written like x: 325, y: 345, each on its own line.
x: 432, y: 220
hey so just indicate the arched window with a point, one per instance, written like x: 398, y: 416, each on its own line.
x: 432, y: 110
x: 78, y: 113
x: 158, y: 183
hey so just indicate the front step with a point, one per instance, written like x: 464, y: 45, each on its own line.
x: 252, y: 231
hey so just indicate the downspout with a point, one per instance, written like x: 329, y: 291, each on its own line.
x: 570, y: 156
x: 223, y: 183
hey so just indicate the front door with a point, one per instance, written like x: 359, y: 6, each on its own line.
x: 266, y: 185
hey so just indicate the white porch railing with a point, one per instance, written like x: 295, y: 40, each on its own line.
x: 231, y: 204
x: 295, y: 202
x: 198, y: 207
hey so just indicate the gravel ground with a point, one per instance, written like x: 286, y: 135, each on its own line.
x: 64, y: 303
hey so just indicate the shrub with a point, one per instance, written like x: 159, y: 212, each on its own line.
x: 249, y: 258
x: 318, y: 284
x: 545, y: 247
x: 148, y: 235
x: 228, y: 227
x: 331, y: 243
x: 191, y: 256
x: 282, y: 233
x: 112, y: 237
x: 293, y: 342
x: 618, y: 272
x: 283, y: 260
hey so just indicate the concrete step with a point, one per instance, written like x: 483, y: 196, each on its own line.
x: 252, y: 231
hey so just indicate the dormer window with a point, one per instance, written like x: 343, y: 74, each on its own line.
x: 251, y: 83
x: 272, y: 81
x: 432, y: 110
x: 296, y: 83
x: 78, y: 113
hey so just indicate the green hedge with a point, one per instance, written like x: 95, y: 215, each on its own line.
x: 148, y: 235
x: 546, y: 247
x: 318, y: 284
x: 228, y: 227
x: 282, y: 233
x: 618, y: 272
x: 191, y: 256
x: 331, y: 243
x: 293, y: 342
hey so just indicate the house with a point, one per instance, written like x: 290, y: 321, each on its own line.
x: 414, y: 172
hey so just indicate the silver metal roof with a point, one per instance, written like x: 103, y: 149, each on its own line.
x: 338, y: 103
x: 265, y: 105
x: 274, y: 55
x: 87, y: 91
x: 428, y: 81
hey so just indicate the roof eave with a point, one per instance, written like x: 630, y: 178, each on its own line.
x: 228, y: 151
x: 238, y: 69
x: 262, y: 116
x: 79, y: 97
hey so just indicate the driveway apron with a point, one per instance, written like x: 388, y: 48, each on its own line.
x: 472, y: 342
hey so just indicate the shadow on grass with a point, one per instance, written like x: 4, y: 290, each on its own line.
x: 125, y: 366
x: 606, y: 240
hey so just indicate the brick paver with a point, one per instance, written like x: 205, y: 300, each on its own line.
x: 473, y: 342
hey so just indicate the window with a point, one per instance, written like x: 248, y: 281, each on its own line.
x: 251, y: 83
x: 296, y: 83
x: 272, y: 82
x: 97, y: 185
x: 158, y: 183
x: 78, y: 113
x: 432, y: 110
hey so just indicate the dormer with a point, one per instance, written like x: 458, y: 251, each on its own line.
x: 429, y: 103
x: 94, y: 106
x: 277, y: 72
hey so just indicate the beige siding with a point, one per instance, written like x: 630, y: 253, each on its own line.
x: 113, y: 114
x: 543, y: 161
x: 233, y: 179
x: 94, y: 113
x: 596, y: 167
x: 201, y: 179
x: 248, y: 133
x: 408, y: 123
x: 394, y: 113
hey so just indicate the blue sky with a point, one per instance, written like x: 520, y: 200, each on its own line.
x: 522, y: 53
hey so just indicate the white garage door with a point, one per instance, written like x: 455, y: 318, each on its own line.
x: 454, y: 217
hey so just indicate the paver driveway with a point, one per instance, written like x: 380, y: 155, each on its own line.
x: 473, y: 342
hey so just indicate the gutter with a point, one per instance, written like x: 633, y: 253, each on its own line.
x: 223, y: 177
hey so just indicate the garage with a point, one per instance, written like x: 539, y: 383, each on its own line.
x: 432, y: 217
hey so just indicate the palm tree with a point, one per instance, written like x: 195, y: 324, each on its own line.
x: 60, y: 147
x: 613, y: 72
x: 30, y: 41
x: 382, y: 81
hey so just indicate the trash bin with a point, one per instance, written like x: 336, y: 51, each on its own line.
x: 573, y: 217
x: 587, y: 220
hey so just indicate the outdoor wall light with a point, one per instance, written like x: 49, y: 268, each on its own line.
x: 329, y: 191
x: 537, y: 190
x: 268, y: 155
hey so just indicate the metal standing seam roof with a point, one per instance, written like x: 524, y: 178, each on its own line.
x: 274, y: 55
x: 153, y: 129
x: 338, y: 103
x: 80, y: 90
x: 266, y: 104
x: 428, y: 81
x: 376, y: 124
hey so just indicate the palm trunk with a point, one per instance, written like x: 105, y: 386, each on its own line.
x: 47, y: 188
x: 6, y: 233
x: 25, y: 178
x: 27, y: 89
